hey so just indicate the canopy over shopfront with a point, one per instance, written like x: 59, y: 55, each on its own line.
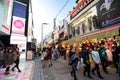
x: 105, y: 32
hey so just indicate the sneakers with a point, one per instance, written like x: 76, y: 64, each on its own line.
x: 93, y: 73
x: 6, y: 73
x: 84, y: 73
x: 71, y: 73
x: 12, y: 69
x: 106, y: 72
x: 19, y: 70
x: 90, y: 77
x: 100, y: 77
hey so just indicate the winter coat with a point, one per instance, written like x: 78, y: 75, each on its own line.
x: 95, y: 57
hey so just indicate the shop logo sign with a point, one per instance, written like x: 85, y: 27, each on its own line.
x: 8, y: 1
x: 106, y: 5
x: 18, y: 24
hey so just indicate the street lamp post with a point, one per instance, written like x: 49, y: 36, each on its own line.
x: 42, y: 35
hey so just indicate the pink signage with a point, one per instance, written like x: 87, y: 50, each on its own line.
x: 8, y: 1
x: 18, y: 24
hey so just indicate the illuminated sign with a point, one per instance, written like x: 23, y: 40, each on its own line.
x: 18, y: 25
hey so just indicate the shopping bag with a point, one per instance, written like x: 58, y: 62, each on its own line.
x: 82, y: 62
x: 90, y: 58
x: 78, y: 65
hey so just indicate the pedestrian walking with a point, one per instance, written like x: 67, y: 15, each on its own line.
x: 44, y: 57
x: 17, y: 59
x: 103, y: 57
x: 97, y: 61
x: 86, y: 61
x: 115, y: 52
x: 109, y: 54
x: 6, y: 58
x: 73, y: 61
x: 49, y: 56
x: 55, y: 55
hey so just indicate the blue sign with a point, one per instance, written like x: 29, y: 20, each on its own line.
x: 19, y: 10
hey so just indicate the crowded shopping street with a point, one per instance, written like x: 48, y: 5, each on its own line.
x: 59, y: 39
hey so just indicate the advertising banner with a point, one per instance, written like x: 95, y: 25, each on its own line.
x: 29, y: 55
x: 18, y: 25
x: 108, y: 12
x: 17, y: 40
x: 19, y: 9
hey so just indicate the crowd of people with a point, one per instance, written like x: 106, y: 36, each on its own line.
x: 8, y: 56
x: 97, y: 54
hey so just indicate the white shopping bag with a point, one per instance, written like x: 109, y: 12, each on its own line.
x: 78, y: 65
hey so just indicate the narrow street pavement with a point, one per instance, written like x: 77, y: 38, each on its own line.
x: 37, y: 73
x: 25, y: 74
x: 61, y: 71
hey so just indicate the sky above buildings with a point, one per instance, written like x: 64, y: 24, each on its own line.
x: 44, y: 11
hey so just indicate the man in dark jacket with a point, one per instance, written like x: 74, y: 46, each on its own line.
x: 85, y: 56
x: 115, y: 52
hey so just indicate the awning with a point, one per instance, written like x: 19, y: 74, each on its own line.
x: 105, y: 32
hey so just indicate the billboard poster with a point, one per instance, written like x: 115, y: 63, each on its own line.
x: 19, y: 9
x: 18, y: 25
x: 108, y: 12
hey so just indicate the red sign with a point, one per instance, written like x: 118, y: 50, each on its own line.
x: 3, y: 26
x: 80, y: 6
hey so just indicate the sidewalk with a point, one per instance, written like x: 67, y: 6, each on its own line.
x: 61, y: 71
x: 25, y: 74
x: 37, y: 73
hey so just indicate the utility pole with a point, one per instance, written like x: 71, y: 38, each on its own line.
x: 42, y: 35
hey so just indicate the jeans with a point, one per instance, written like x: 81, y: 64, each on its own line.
x: 16, y: 64
x: 74, y: 69
x: 104, y: 64
x: 97, y: 69
x: 87, y: 69
x: 0, y: 63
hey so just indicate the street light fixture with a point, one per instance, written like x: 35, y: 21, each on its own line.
x: 42, y: 35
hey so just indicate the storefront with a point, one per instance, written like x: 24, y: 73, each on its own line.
x: 110, y: 31
x: 98, y: 22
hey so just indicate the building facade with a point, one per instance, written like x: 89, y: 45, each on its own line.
x: 92, y: 19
